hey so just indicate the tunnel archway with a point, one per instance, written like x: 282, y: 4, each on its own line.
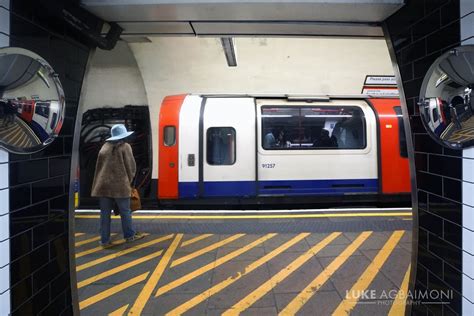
x: 418, y: 33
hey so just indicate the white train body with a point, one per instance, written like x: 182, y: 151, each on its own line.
x: 219, y: 149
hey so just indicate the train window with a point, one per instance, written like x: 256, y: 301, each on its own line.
x: 221, y: 146
x: 169, y: 135
x: 42, y: 109
x: 53, y: 120
x: 401, y: 133
x: 325, y: 127
x: 435, y: 115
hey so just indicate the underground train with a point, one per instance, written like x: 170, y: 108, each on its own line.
x: 41, y: 116
x: 235, y: 149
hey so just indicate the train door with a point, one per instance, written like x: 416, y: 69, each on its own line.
x: 168, y: 147
x: 228, y: 148
x: 394, y: 168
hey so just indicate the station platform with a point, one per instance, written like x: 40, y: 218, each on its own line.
x: 306, y: 263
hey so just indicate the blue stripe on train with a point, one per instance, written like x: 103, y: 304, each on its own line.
x: 188, y: 189
x: 279, y: 187
x: 39, y: 131
x: 309, y: 187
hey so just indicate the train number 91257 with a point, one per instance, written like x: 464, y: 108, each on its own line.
x: 268, y: 165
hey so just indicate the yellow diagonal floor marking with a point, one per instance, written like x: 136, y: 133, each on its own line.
x: 145, y: 294
x: 78, y: 234
x: 208, y: 267
x: 121, y: 253
x: 118, y: 269
x: 195, y: 239
x: 133, y: 263
x: 297, y: 303
x: 205, y: 250
x: 369, y: 274
x: 120, y: 311
x: 222, y: 285
x: 83, y: 242
x: 113, y: 290
x: 97, y: 249
x: 263, y: 289
x: 399, y: 304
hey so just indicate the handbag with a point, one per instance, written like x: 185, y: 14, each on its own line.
x: 135, y: 202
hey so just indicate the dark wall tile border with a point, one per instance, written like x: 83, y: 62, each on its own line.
x: 420, y: 32
x: 39, y: 183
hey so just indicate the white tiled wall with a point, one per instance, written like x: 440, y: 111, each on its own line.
x: 467, y: 30
x: 468, y: 230
x: 4, y: 196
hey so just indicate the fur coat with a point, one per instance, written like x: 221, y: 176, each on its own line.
x: 114, y: 171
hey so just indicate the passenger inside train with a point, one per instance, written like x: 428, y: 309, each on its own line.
x: 325, y: 141
x: 269, y: 140
x: 221, y: 146
x: 312, y: 128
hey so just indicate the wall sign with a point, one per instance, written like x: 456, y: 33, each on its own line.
x: 383, y: 86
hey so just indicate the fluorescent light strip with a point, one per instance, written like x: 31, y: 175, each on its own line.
x: 276, y: 115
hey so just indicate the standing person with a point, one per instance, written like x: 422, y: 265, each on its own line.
x: 269, y: 140
x: 10, y: 112
x: 114, y: 173
x: 282, y: 141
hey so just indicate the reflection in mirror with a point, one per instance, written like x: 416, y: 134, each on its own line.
x: 31, y: 101
x: 447, y: 100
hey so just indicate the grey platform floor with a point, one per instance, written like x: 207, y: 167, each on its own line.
x: 264, y: 266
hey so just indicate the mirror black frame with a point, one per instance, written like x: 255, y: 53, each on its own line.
x: 61, y: 101
x: 424, y: 101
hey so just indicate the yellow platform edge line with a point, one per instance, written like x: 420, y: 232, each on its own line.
x: 197, y: 217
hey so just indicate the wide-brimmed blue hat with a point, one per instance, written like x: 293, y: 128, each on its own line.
x: 118, y: 131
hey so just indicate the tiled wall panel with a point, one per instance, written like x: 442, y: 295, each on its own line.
x: 34, y: 206
x: 420, y: 32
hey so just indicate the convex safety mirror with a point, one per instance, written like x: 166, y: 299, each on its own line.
x: 447, y: 99
x: 31, y: 101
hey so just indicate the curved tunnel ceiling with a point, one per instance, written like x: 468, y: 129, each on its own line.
x: 16, y: 71
x: 246, y: 18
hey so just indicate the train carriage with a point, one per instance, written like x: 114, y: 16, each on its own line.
x: 257, y: 150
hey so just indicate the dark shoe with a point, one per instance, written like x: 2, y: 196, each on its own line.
x: 106, y: 245
x: 137, y: 236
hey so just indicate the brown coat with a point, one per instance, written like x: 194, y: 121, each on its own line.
x: 114, y: 171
